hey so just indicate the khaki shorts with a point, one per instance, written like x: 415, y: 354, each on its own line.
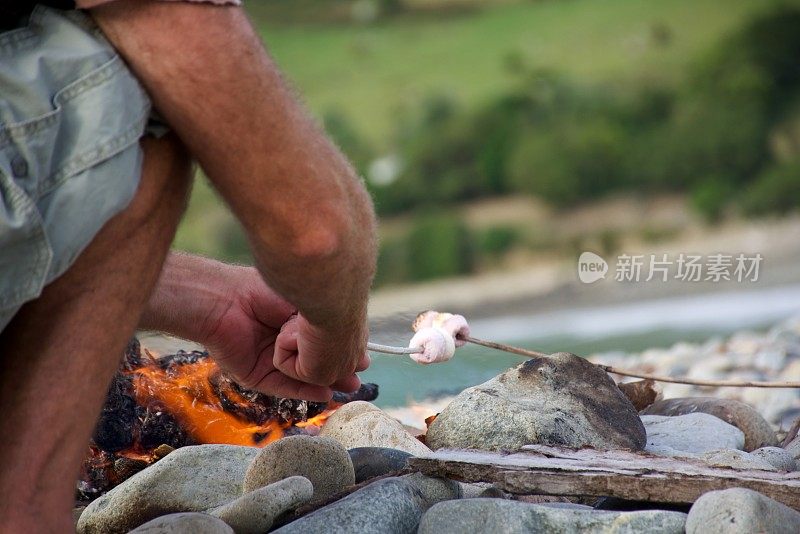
x: 71, y: 115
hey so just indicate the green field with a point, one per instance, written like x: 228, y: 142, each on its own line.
x: 374, y: 73
x: 377, y: 75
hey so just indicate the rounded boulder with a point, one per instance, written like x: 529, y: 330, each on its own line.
x: 557, y: 400
x: 323, y: 461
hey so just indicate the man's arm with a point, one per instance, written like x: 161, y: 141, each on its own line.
x: 307, y: 215
x: 231, y: 311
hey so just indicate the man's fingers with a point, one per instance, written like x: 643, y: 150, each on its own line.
x: 285, y: 357
x: 287, y: 338
x: 363, y: 363
x: 286, y: 346
x: 291, y: 324
x: 288, y: 360
x: 303, y: 353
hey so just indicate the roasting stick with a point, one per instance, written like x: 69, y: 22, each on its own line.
x: 505, y: 348
x: 389, y: 349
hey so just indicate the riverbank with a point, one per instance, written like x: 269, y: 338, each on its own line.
x: 550, y: 285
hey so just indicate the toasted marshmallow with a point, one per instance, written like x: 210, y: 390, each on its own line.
x: 424, y: 320
x: 455, y: 325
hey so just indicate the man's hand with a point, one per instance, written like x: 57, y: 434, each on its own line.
x: 251, y: 331
x: 310, y: 354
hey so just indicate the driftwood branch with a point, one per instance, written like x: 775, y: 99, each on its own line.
x: 622, y: 372
x: 543, y: 470
x: 791, y: 434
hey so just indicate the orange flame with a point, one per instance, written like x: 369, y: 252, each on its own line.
x: 187, y: 392
x: 317, y: 420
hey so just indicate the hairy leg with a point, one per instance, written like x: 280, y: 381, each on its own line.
x: 59, y: 353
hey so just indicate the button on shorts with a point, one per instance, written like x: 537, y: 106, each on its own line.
x: 71, y: 115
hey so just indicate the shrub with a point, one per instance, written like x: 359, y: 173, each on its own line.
x: 439, y: 245
x: 711, y: 133
x: 234, y: 246
x: 710, y: 197
x: 610, y: 241
x: 445, y: 160
x: 769, y: 45
x: 572, y: 162
x: 497, y: 240
x: 344, y: 134
x: 569, y: 143
x: 775, y: 190
x: 723, y: 117
x: 392, y: 262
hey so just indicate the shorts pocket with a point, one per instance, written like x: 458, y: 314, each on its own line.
x: 72, y: 114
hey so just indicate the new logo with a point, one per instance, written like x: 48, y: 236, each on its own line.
x: 591, y: 267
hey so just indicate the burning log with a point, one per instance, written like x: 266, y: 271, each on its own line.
x: 155, y: 405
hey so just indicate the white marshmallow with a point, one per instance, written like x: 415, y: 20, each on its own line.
x: 456, y: 326
x: 436, y: 343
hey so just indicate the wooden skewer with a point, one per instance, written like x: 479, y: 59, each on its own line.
x: 505, y: 348
x: 696, y: 382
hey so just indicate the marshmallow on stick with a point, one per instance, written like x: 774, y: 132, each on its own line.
x: 455, y: 325
x: 438, y: 335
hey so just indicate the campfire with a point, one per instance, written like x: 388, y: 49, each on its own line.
x: 157, y: 404
x: 553, y: 418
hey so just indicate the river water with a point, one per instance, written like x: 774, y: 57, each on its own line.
x: 583, y: 331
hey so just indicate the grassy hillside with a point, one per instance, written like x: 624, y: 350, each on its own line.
x: 377, y: 75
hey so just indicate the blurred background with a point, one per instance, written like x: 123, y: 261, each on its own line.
x: 502, y: 138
